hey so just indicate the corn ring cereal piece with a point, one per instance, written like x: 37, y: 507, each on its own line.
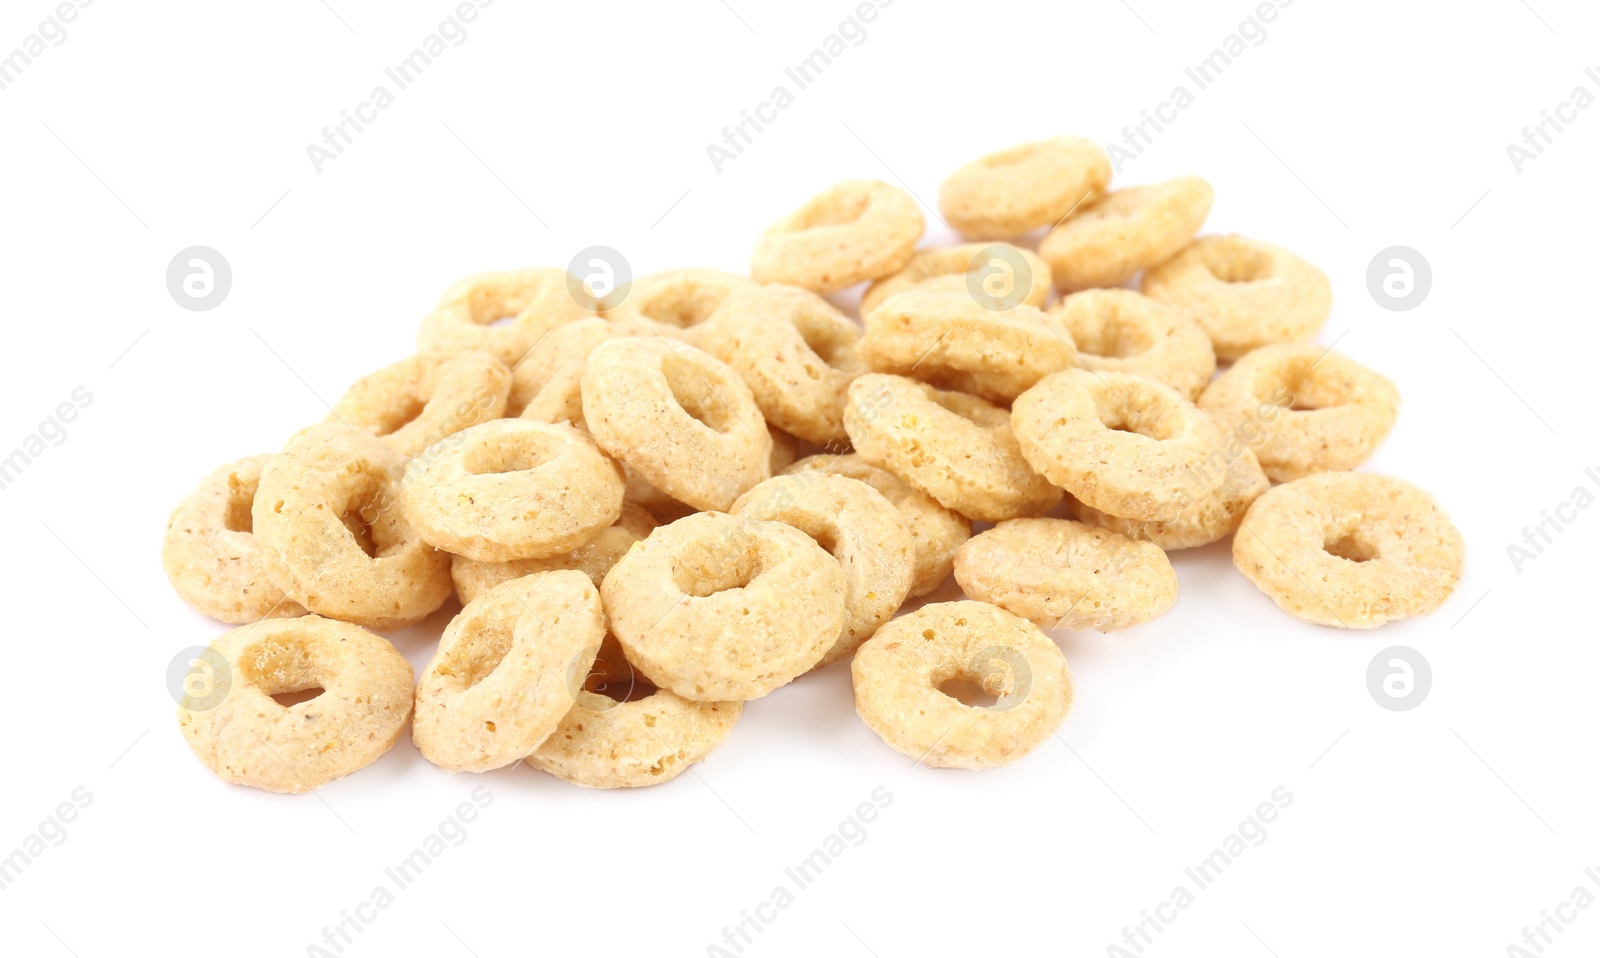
x: 544, y: 383
x: 852, y: 231
x: 1012, y: 191
x: 1350, y: 550
x: 594, y: 558
x: 422, y: 399
x: 1110, y: 239
x: 469, y: 314
x: 673, y: 303
x: 210, y: 555
x: 1196, y: 520
x: 333, y: 537
x: 950, y: 269
x: 1122, y: 331
x: 248, y: 738
x: 900, y: 675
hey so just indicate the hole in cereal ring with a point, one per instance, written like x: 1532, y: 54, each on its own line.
x: 236, y: 514
x: 969, y: 692
x: 613, y: 676
x: 1121, y: 336
x: 836, y: 209
x: 1350, y: 548
x: 479, y: 652
x: 284, y: 666
x: 402, y: 413
x: 361, y: 531
x: 502, y: 321
x: 485, y: 458
x: 697, y: 396
x: 1238, y: 265
x: 295, y: 697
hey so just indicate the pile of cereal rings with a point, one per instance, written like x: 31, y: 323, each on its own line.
x: 656, y: 508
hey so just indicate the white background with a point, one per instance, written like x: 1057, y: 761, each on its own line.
x: 1353, y: 127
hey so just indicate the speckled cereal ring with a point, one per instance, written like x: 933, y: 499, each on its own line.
x: 537, y: 300
x: 248, y: 738
x: 957, y: 448
x: 1350, y: 550
x: 952, y: 341
x: 898, y: 675
x: 420, y: 400
x: 210, y: 556
x: 1122, y: 331
x: 513, y: 489
x: 936, y: 532
x: 1311, y: 409
x: 673, y: 303
x: 1246, y: 293
x: 1189, y: 523
x: 861, y: 529
x: 1110, y: 239
x: 851, y: 231
x: 679, y: 417
x: 718, y: 608
x: 1121, y: 443
x: 594, y: 558
x: 1063, y: 574
x: 328, y: 519
x: 949, y: 269
x: 794, y: 350
x: 544, y: 385
x: 1012, y: 191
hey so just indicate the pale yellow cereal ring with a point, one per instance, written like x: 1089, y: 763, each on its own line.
x: 1311, y: 409
x: 951, y: 269
x: 420, y: 400
x: 1012, y: 191
x: 718, y: 608
x: 333, y: 537
x: 1063, y: 574
x: 1246, y: 293
x: 544, y: 385
x: 679, y: 417
x: 1110, y: 239
x: 513, y: 489
x: 673, y: 303
x: 242, y: 732
x: 957, y: 448
x: 785, y: 450
x: 861, y: 529
x: 1122, y: 331
x: 900, y: 675
x: 851, y: 231
x: 211, y: 557
x: 594, y: 558
x: 1350, y: 550
x: 530, y: 301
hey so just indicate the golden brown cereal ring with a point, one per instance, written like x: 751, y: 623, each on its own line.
x: 952, y: 341
x: 1063, y: 574
x: 469, y: 313
x: 717, y: 608
x: 678, y: 416
x: 1194, y: 520
x: 211, y: 557
x: 1350, y: 550
x: 956, y: 448
x: 1122, y: 444
x: 1122, y: 331
x: 502, y: 678
x: 248, y: 738
x: 795, y: 352
x: 936, y: 532
x: 333, y: 537
x: 544, y: 385
x: 851, y: 231
x: 673, y: 303
x: 950, y: 269
x: 418, y: 401
x: 1246, y: 293
x: 861, y: 529
x: 1012, y: 191
x: 1328, y: 412
x: 513, y: 489
x: 899, y: 675
x: 1111, y: 238
x: 594, y: 558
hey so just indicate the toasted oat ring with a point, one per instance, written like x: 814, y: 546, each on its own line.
x: 469, y: 313
x: 795, y: 352
x: 664, y: 508
x: 673, y: 303
x: 861, y: 529
x: 957, y: 448
x: 952, y: 341
x: 513, y: 489
x: 1246, y: 293
x: 680, y: 417
x: 899, y: 674
x: 950, y: 269
x: 1116, y: 236
x: 851, y: 231
x: 718, y: 608
x: 1350, y: 550
x: 594, y: 558
x: 544, y: 384
x: 333, y: 537
x: 211, y: 557
x: 1012, y: 191
x: 936, y: 532
x: 248, y: 738
x: 420, y: 400
x: 1202, y: 520
x: 1063, y: 574
x: 1316, y: 410
x: 1121, y: 443
x: 1122, y: 331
